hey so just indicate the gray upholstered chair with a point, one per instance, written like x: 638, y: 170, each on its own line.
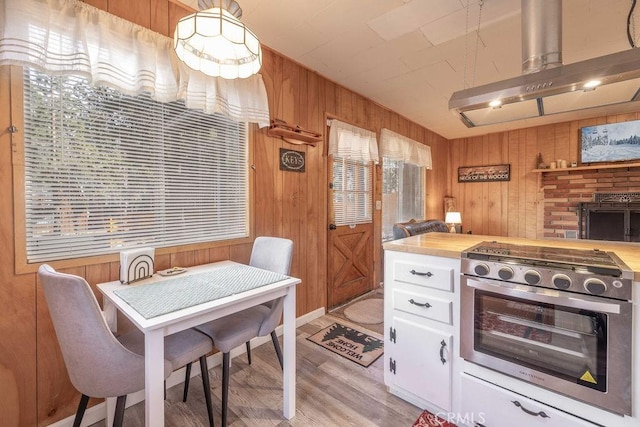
x: 229, y: 332
x: 99, y: 364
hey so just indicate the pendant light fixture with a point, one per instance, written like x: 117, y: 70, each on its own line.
x: 215, y: 42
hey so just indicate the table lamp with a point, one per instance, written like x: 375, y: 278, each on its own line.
x: 453, y: 219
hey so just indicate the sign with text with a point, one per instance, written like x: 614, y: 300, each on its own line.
x: 483, y: 173
x: 291, y: 160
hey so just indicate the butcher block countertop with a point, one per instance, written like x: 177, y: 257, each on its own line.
x: 451, y: 245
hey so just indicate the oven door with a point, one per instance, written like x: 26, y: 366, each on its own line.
x: 573, y: 344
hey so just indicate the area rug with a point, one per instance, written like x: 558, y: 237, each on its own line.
x: 367, y: 312
x: 349, y: 343
x: 427, y: 419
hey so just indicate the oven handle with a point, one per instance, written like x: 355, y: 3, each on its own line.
x: 549, y: 296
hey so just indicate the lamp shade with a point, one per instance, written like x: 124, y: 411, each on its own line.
x: 216, y: 43
x: 453, y: 218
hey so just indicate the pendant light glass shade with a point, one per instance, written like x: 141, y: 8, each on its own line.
x: 216, y: 43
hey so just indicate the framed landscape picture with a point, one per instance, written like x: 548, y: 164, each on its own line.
x: 617, y: 142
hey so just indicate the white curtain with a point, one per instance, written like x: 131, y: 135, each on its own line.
x: 400, y: 148
x: 71, y: 37
x: 353, y: 143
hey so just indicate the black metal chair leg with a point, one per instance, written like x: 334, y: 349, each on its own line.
x: 119, y: 414
x: 225, y: 387
x: 276, y: 345
x: 187, y: 377
x: 248, y: 344
x: 204, y: 371
x: 82, y: 406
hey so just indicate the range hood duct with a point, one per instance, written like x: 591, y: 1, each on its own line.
x: 541, y: 35
x: 546, y: 86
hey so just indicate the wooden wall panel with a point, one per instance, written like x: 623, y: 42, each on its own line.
x: 287, y: 204
x: 18, y: 379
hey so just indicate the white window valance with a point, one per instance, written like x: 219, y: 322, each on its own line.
x: 72, y: 37
x: 400, y: 148
x: 353, y: 143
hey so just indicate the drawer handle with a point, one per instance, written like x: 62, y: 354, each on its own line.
x: 425, y: 305
x: 540, y: 414
x: 442, y: 346
x: 417, y: 273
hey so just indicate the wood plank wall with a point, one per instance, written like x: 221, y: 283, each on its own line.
x: 514, y: 208
x: 34, y: 385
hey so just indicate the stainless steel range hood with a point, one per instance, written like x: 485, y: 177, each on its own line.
x: 554, y: 90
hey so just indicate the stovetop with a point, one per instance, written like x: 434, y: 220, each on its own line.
x: 582, y: 271
x: 591, y: 260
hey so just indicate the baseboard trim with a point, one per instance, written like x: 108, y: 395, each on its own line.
x: 97, y: 412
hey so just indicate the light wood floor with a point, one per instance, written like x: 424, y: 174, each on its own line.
x: 331, y: 391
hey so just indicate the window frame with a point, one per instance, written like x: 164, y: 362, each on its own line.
x: 423, y: 180
x: 19, y: 208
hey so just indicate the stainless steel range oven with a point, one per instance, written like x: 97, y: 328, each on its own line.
x: 558, y: 318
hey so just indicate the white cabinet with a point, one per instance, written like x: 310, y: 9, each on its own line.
x: 485, y: 404
x: 421, y: 328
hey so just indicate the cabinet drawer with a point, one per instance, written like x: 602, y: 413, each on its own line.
x: 423, y: 305
x: 488, y: 405
x: 422, y: 274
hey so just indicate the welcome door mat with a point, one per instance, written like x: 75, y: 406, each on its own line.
x: 427, y: 419
x: 350, y: 343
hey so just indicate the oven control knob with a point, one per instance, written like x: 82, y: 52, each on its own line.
x: 532, y: 277
x: 561, y: 281
x: 595, y: 286
x: 481, y: 269
x: 505, y: 273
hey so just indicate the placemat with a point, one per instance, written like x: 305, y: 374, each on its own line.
x: 155, y: 299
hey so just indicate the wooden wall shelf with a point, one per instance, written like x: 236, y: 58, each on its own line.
x: 293, y: 134
x: 590, y: 167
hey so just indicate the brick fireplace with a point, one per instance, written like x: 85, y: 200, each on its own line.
x: 565, y: 189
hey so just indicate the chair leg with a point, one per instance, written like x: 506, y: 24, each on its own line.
x: 276, y: 345
x: 248, y: 344
x: 119, y: 414
x: 84, y: 400
x: 187, y: 377
x: 204, y: 371
x: 225, y: 387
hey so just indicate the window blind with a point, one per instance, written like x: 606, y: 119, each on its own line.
x: 106, y: 171
x: 352, y: 192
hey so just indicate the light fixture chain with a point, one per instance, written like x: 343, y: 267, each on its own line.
x: 466, y: 49
x: 475, y: 60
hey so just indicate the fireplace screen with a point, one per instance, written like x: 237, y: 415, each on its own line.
x: 610, y: 221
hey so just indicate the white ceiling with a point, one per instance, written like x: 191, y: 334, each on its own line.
x: 411, y: 55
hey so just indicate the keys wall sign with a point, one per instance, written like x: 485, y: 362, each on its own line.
x: 291, y: 160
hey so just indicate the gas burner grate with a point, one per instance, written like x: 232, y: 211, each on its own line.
x: 616, y: 197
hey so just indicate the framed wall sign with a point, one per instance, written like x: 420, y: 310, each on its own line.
x: 292, y: 160
x: 484, y: 173
x: 616, y: 142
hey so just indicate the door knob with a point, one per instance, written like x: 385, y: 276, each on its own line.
x: 332, y: 227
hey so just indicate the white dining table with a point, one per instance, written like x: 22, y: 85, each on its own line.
x: 215, y: 303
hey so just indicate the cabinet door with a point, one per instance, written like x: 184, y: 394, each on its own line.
x: 484, y: 404
x: 423, y: 362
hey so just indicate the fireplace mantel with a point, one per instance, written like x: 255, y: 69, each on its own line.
x: 589, y: 167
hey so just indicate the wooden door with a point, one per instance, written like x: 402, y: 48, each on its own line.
x: 350, y: 263
x: 349, y: 253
